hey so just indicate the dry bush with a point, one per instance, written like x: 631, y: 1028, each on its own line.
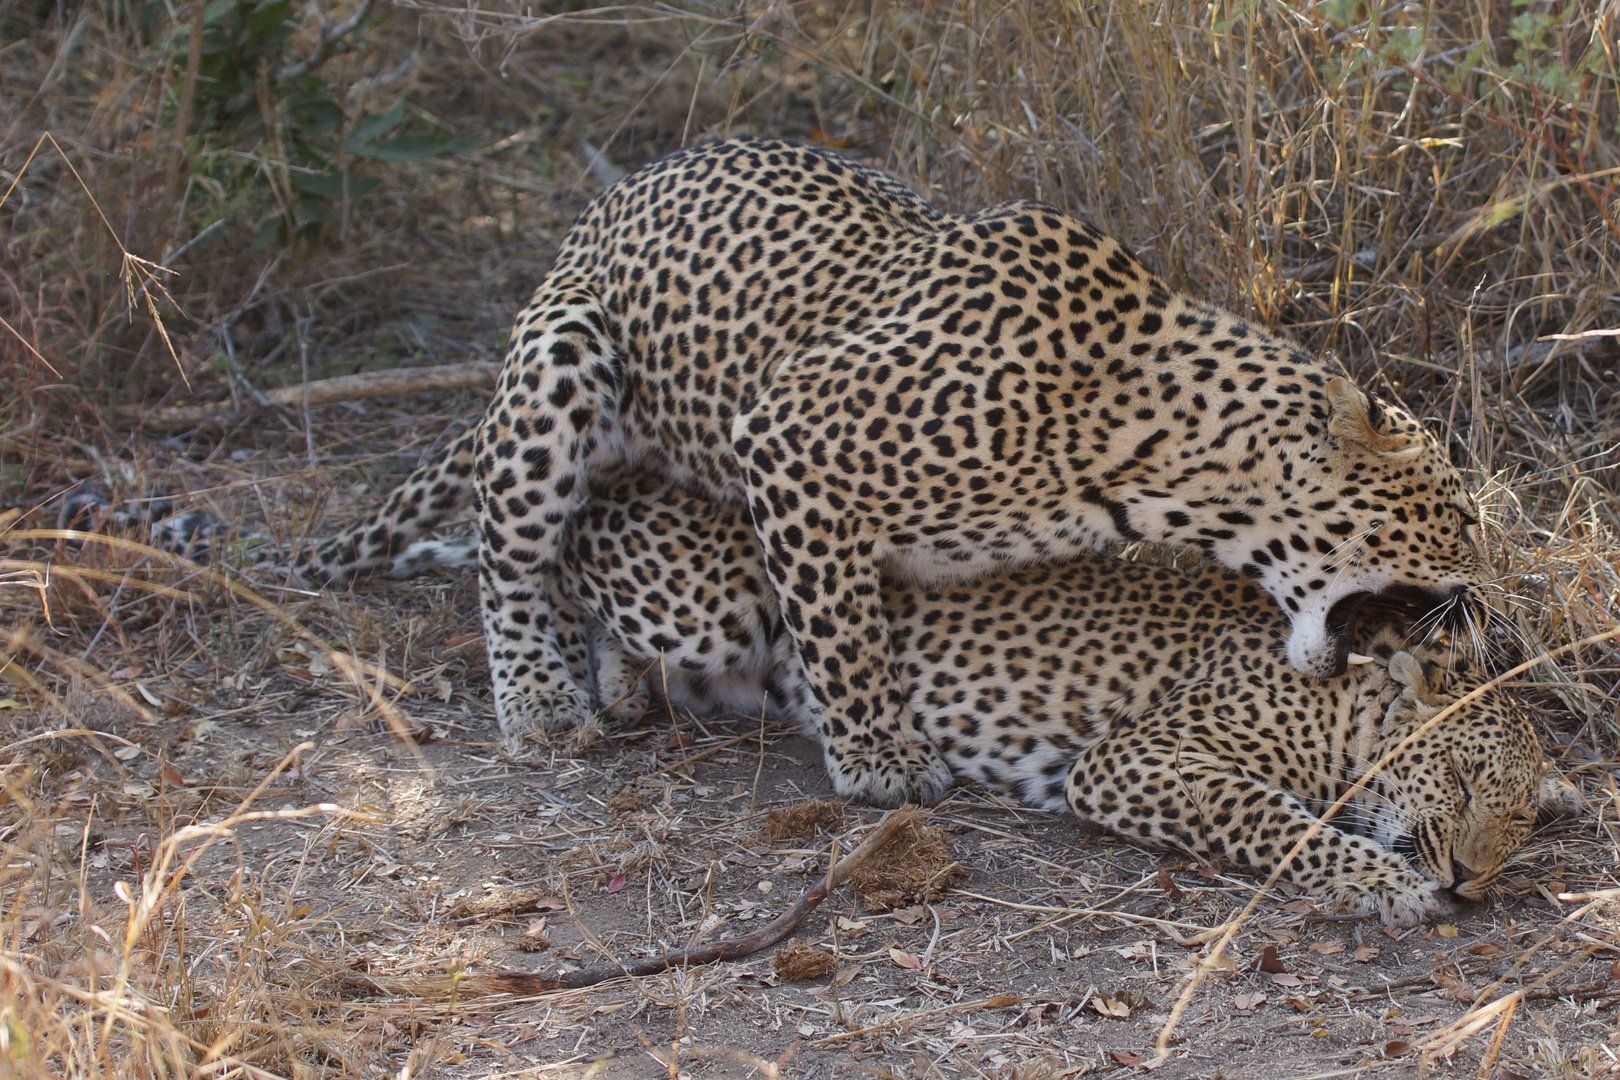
x: 1427, y: 191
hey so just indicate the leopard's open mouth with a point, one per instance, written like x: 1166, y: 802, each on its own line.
x: 1430, y: 608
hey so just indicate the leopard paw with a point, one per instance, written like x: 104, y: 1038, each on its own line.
x: 1397, y: 897
x: 891, y: 774
x: 526, y: 717
x: 626, y: 707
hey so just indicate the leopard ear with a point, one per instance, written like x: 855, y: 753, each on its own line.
x: 1406, y: 669
x: 1351, y: 423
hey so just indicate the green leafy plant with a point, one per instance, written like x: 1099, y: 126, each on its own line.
x: 252, y: 95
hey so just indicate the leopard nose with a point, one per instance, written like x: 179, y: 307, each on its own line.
x: 1461, y: 872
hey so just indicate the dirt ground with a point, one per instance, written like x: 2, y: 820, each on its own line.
x: 440, y: 862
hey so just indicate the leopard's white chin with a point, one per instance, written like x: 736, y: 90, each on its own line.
x: 1313, y: 651
x: 1322, y: 635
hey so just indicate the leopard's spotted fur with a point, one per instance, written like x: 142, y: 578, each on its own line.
x: 1156, y: 702
x: 890, y: 388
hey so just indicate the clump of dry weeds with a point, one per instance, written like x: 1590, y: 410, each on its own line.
x: 916, y: 867
x: 799, y: 962
x: 803, y: 818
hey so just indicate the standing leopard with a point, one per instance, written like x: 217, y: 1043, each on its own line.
x: 890, y: 388
x: 1153, y: 701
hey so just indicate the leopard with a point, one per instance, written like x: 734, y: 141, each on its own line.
x: 1151, y: 699
x: 891, y: 388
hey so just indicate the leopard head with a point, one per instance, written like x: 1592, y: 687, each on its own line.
x: 1461, y: 799
x: 1383, y: 515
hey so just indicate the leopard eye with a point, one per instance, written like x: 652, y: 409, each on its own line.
x: 1462, y: 782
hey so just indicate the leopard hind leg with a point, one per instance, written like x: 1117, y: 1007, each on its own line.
x: 554, y: 419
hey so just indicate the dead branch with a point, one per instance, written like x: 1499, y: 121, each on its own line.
x: 519, y: 982
x: 370, y: 384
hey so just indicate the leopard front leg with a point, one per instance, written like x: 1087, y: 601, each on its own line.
x: 554, y: 416
x: 826, y: 577
x: 1192, y: 800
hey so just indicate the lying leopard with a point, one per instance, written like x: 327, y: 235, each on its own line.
x: 888, y: 388
x: 1153, y: 701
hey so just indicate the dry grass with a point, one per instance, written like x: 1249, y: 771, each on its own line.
x: 1427, y: 190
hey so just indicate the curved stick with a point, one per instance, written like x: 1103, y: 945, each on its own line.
x: 520, y: 982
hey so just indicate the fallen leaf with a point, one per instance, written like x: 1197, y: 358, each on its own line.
x: 1270, y: 962
x: 1365, y: 954
x: 125, y: 673
x: 1457, y: 989
x: 846, y: 975
x: 1446, y: 930
x: 907, y: 915
x: 617, y: 883
x: 1390, y: 932
x: 1327, y: 948
x: 1292, y: 982
x: 1127, y: 1058
x: 1397, y: 1048
x: 1486, y: 948
x: 1168, y: 886
x: 1299, y: 907
x: 904, y: 959
x: 443, y: 689
x: 1247, y: 1002
x: 534, y: 939
x: 1281, y: 936
x: 851, y: 926
x: 1220, y: 963
x: 1108, y: 1006
x: 125, y: 753
x: 12, y: 703
x: 170, y: 777
x: 1614, y: 970
x: 1300, y: 1004
x: 679, y: 740
x: 462, y: 639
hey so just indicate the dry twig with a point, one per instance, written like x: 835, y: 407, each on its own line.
x: 893, y: 823
x: 369, y: 384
